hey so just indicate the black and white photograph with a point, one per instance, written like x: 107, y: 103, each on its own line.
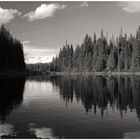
x: 69, y: 69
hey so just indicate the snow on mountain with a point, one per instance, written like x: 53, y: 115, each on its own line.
x: 37, y: 59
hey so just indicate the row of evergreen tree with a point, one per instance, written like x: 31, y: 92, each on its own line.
x: 11, y: 52
x: 100, y: 54
x: 39, y: 67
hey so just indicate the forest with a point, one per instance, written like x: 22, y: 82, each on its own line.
x: 100, y: 54
x: 11, y: 52
x: 38, y: 67
x: 95, y: 54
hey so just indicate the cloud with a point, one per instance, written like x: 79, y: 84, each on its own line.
x: 6, y: 15
x: 44, y: 11
x: 84, y: 4
x: 26, y: 42
x: 130, y: 6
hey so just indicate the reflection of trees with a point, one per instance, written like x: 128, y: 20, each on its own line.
x: 38, y: 77
x: 136, y: 94
x: 123, y: 92
x: 11, y: 94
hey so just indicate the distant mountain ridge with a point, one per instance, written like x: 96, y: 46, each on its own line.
x: 36, y: 59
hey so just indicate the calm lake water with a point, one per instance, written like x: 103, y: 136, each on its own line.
x: 70, y: 107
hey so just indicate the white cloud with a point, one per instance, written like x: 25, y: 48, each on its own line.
x: 44, y: 11
x: 6, y: 15
x: 130, y: 6
x: 84, y: 4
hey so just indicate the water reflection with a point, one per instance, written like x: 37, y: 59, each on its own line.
x: 7, y: 130
x: 44, y: 115
x: 131, y: 135
x: 11, y: 95
x: 122, y: 92
x: 42, y: 132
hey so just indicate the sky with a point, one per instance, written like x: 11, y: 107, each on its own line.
x: 43, y: 27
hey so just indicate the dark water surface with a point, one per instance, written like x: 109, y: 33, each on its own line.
x: 70, y: 107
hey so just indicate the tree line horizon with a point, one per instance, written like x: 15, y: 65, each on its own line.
x: 98, y: 54
x: 95, y: 54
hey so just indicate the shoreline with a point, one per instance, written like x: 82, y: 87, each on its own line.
x: 96, y: 73
x: 14, y: 73
x: 29, y: 73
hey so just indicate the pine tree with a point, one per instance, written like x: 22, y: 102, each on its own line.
x: 11, y: 52
x: 135, y: 62
x: 97, y: 54
x: 112, y: 59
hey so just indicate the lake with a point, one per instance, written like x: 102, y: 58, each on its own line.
x: 70, y: 107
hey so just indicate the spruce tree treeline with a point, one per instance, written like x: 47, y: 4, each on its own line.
x: 11, y: 52
x: 40, y: 67
x: 98, y: 54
